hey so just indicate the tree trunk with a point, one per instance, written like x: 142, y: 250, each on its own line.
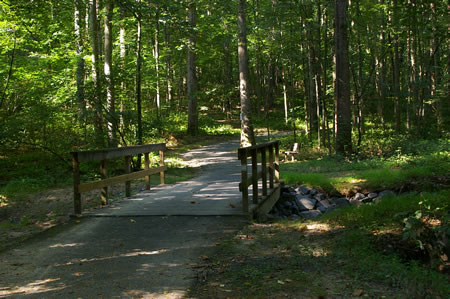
x: 344, y: 127
x: 156, y: 56
x: 247, y: 136
x: 79, y: 28
x: 191, y: 73
x: 138, y: 81
x: 110, y: 93
x: 94, y: 28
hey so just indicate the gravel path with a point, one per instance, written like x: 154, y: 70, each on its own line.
x: 137, y: 254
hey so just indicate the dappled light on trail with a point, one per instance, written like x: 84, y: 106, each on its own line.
x: 136, y: 247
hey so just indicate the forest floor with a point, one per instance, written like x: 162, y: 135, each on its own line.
x: 218, y: 257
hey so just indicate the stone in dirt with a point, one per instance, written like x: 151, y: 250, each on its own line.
x: 288, y: 195
x: 359, y: 196
x: 313, y: 192
x: 355, y: 202
x: 287, y: 204
x: 310, y: 214
x: 372, y: 195
x: 303, y: 190
x: 319, y: 196
x: 323, y: 205
x: 305, y: 203
x: 366, y: 200
x: 340, y: 202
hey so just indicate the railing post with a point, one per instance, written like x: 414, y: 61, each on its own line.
x: 244, y: 179
x: 277, y: 162
x: 104, y: 174
x: 255, y: 175
x: 147, y: 167
x: 271, y: 166
x: 161, y: 163
x: 264, y: 171
x: 76, y: 183
x: 127, y: 170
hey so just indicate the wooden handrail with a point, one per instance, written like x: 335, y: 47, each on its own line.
x: 105, y: 154
x: 273, y: 168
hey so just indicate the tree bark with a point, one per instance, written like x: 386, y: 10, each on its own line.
x: 94, y: 28
x: 344, y: 126
x: 156, y: 56
x: 247, y: 135
x: 110, y: 93
x: 139, y: 80
x: 191, y: 73
x: 79, y: 27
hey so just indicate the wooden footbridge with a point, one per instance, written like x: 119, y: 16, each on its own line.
x: 221, y: 189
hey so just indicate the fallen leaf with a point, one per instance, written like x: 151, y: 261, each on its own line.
x: 357, y: 292
x: 280, y: 282
x: 204, y: 257
x: 288, y: 280
x: 132, y: 221
x: 247, y: 283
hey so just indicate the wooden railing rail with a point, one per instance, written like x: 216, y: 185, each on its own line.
x: 272, y: 167
x: 103, y: 156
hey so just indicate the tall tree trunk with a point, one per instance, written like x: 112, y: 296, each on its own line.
x: 156, y: 56
x: 396, y: 71
x: 139, y: 81
x: 191, y: 73
x: 344, y: 126
x: 94, y: 28
x: 247, y: 135
x: 79, y: 28
x: 123, y: 54
x: 110, y: 93
x: 168, y: 64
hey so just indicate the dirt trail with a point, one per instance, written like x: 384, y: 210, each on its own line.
x: 128, y: 257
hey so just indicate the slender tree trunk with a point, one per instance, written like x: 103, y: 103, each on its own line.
x: 110, y: 92
x: 79, y: 19
x: 396, y: 72
x: 285, y: 98
x: 138, y: 81
x: 247, y: 135
x: 344, y: 127
x: 191, y: 73
x: 156, y: 56
x: 168, y: 65
x: 123, y: 54
x: 94, y: 28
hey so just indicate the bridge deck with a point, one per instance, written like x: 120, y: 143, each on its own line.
x: 214, y: 192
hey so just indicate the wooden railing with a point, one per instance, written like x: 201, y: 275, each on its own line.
x: 103, y: 156
x: 271, y: 167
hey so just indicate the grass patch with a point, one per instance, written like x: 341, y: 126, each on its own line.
x: 310, y: 260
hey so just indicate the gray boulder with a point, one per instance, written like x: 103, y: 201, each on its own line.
x: 372, y: 195
x: 340, y: 202
x: 287, y: 204
x: 311, y: 214
x: 323, y: 205
x: 359, y: 196
x: 288, y: 195
x: 305, y: 203
x: 319, y: 196
x: 355, y: 202
x: 313, y: 192
x: 303, y: 190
